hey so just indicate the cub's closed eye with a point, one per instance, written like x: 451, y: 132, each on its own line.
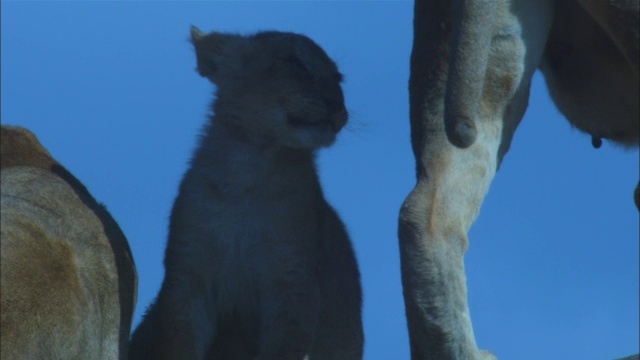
x: 295, y: 63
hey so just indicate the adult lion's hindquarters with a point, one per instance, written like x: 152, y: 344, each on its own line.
x: 68, y: 280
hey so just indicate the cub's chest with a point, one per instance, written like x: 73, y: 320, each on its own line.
x: 265, y: 220
x: 248, y: 220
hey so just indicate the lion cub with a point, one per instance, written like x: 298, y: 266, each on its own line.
x: 258, y: 264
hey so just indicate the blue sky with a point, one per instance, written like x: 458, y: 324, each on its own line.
x: 110, y: 89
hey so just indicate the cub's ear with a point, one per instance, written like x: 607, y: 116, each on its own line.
x: 210, y: 51
x: 196, y: 34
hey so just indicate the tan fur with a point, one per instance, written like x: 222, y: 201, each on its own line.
x: 68, y: 279
x: 590, y: 65
x: 258, y: 265
x: 19, y: 147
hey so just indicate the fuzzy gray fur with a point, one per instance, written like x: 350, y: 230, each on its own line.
x: 258, y: 265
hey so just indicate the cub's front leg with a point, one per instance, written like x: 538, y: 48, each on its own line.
x: 340, y: 335
x: 186, y: 322
x: 289, y: 304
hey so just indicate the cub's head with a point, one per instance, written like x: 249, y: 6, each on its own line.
x: 273, y: 87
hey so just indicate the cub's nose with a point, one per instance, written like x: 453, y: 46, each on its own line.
x: 339, y: 119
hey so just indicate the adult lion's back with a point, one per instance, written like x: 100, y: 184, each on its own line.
x: 68, y: 278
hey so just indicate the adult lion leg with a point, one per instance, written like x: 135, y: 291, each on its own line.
x: 437, y: 214
x: 471, y: 40
x: 434, y: 221
x: 637, y: 196
x: 452, y: 182
x: 433, y: 226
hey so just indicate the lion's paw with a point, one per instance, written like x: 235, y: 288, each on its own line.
x: 487, y: 355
